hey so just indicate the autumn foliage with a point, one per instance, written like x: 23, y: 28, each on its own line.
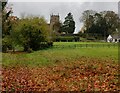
x: 85, y: 74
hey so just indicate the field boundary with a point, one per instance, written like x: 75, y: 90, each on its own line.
x: 87, y: 46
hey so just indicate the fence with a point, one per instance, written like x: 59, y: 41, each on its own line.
x: 87, y: 46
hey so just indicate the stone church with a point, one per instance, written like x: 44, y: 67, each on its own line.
x: 55, y: 23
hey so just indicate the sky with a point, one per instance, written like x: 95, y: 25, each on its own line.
x: 61, y: 8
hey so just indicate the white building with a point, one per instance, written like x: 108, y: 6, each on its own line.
x: 110, y: 38
x: 114, y: 38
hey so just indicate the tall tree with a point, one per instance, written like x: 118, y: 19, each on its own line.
x: 6, y: 27
x: 112, y: 21
x: 101, y: 24
x: 69, y: 24
x: 87, y: 18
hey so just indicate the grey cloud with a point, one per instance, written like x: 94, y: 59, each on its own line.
x: 63, y: 8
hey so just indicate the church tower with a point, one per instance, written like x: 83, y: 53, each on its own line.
x: 54, y: 21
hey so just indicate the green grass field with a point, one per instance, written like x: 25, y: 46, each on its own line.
x: 62, y: 69
x: 69, y: 43
x: 52, y: 55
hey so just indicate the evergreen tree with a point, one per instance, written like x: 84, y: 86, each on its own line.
x: 69, y: 24
x: 6, y: 27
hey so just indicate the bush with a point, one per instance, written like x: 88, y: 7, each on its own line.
x: 67, y: 38
x: 6, y: 44
x: 31, y: 33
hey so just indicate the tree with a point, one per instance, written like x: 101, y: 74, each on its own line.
x: 31, y: 33
x: 69, y: 24
x: 112, y: 21
x: 87, y: 18
x: 6, y: 27
x: 100, y: 24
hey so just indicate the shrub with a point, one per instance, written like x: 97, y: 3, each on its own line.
x: 31, y: 33
x: 67, y: 38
